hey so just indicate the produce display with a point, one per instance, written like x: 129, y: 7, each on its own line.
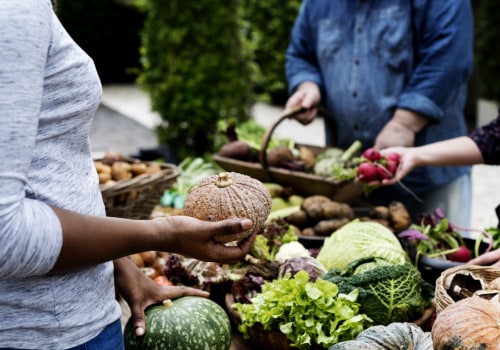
x: 190, y: 322
x: 361, y: 289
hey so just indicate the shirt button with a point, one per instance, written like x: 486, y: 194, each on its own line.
x: 356, y: 127
x: 359, y: 29
x: 356, y: 62
x: 354, y: 94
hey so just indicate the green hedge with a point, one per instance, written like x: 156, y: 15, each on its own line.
x: 197, y: 70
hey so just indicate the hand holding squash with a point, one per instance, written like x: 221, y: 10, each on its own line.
x: 199, y: 239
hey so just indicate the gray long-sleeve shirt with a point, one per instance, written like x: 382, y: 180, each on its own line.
x: 49, y: 92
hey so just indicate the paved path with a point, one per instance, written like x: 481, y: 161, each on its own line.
x: 125, y: 123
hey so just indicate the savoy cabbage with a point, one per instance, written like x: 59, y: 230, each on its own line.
x: 387, y: 292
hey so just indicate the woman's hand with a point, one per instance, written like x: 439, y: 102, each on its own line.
x: 140, y: 291
x: 491, y: 258
x: 201, y: 239
x: 307, y: 96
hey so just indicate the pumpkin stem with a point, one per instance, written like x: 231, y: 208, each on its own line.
x: 223, y: 180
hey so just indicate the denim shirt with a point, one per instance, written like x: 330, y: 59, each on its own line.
x: 371, y: 57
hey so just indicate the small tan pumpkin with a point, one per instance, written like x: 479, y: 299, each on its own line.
x: 469, y: 324
x: 226, y: 195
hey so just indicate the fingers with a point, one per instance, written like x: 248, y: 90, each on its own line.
x: 138, y: 320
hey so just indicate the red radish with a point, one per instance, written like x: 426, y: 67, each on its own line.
x: 393, y: 156
x: 372, y: 154
x: 392, y: 166
x: 461, y: 255
x: 383, y: 172
x: 367, y: 172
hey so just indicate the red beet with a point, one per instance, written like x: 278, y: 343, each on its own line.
x: 367, y: 172
x: 461, y: 255
x: 372, y: 154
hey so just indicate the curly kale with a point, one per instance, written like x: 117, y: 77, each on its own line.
x: 387, y: 292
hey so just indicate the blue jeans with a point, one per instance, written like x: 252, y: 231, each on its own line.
x: 111, y: 338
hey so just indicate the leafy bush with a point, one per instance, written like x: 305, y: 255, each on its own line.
x: 271, y: 23
x: 196, y: 70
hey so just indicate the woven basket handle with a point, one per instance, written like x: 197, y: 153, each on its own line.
x: 288, y: 114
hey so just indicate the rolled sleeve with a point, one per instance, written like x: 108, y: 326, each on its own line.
x: 421, y: 104
x: 30, y: 238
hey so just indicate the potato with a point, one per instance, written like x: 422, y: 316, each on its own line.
x: 104, y: 177
x: 308, y: 232
x: 380, y: 212
x: 298, y: 218
x: 331, y: 209
x: 312, y: 205
x: 346, y: 211
x: 138, y: 168
x: 399, y: 216
x: 327, y: 227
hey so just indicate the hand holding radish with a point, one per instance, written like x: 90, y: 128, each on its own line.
x: 377, y: 167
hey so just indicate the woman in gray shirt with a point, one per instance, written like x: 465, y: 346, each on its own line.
x: 60, y: 256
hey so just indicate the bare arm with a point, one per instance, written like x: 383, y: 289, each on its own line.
x: 452, y: 152
x: 89, y: 240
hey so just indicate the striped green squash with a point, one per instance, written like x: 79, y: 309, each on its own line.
x: 190, y: 322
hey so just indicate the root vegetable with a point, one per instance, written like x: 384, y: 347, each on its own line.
x: 367, y: 172
x: 298, y: 218
x: 327, y: 227
x: 236, y: 150
x: 399, y: 216
x: 331, y: 209
x: 372, y: 154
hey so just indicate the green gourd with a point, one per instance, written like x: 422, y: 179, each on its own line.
x: 190, y: 322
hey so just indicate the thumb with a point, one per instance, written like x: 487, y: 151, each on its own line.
x: 138, y: 321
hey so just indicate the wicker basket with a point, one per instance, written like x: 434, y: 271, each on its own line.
x: 136, y: 198
x: 463, y: 280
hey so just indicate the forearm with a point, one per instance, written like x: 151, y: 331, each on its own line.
x: 409, y: 119
x: 90, y: 240
x: 453, y: 152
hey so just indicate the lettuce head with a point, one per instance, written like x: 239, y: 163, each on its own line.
x: 361, y: 239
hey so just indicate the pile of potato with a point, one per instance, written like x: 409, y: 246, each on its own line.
x: 321, y: 216
x: 115, y: 167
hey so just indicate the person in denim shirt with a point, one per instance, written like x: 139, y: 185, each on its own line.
x: 389, y: 73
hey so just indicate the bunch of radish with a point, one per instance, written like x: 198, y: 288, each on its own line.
x: 375, y: 167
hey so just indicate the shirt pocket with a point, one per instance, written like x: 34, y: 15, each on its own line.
x: 330, y: 36
x: 390, y: 34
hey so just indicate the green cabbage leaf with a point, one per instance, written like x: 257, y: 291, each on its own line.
x: 361, y: 239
